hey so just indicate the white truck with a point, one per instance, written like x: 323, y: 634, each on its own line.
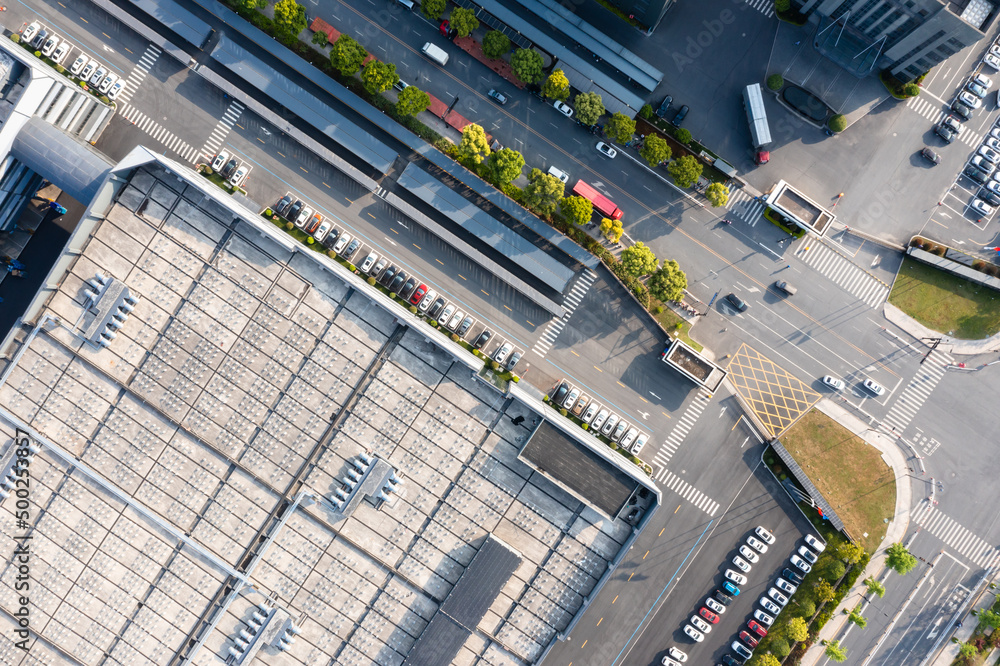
x: 435, y: 53
x: 760, y: 132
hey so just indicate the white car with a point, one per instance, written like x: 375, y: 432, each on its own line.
x: 749, y: 555
x: 783, y: 584
x: 446, y: 313
x: 982, y: 207
x: 369, y: 261
x: 990, y: 60
x: 619, y: 431
x: 220, y: 160
x: 639, y: 443
x: 116, y: 89
x: 236, y: 180
x: 599, y: 420
x: 322, y: 231
x: 609, y: 425
x: 457, y: 318
x: 78, y: 64
x: 815, y: 543
x: 667, y: 661
x: 983, y: 80
x: 994, y: 187
x: 764, y: 535
x: 777, y: 596
x: 756, y: 545
x: 563, y: 108
x: 715, y: 606
x: 571, y: 399
x: 109, y: 80
x: 800, y: 564
x: 88, y: 70
x: 677, y: 654
x: 741, y: 564
x: 808, y: 555
x: 629, y: 438
x: 875, y: 388
x: 98, y: 76
x: 49, y: 46
x: 341, y: 243
x: 769, y: 605
x: 30, y: 32
x: 559, y: 173
x: 60, y: 53
x: 591, y: 412
x: 693, y: 633
x: 833, y: 382
x: 503, y: 352
x: 990, y: 154
x: 970, y: 100
x: 701, y: 625
x: 607, y: 150
x: 304, y: 217
x: 739, y: 579
x: 428, y: 301
x: 763, y: 618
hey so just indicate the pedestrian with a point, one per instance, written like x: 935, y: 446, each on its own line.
x: 788, y: 265
x: 798, y: 42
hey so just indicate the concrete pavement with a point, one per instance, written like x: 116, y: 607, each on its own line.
x: 948, y: 344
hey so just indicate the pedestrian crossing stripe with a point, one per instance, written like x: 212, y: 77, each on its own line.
x: 745, y: 207
x: 138, y: 73
x: 681, y: 429
x: 953, y: 534
x: 687, y: 492
x: 158, y: 133
x: 933, y: 113
x: 844, y: 272
x: 222, y: 129
x: 765, y: 7
x: 570, y: 303
x: 916, y: 392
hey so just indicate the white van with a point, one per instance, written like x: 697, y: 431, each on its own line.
x: 435, y: 53
x: 408, y: 4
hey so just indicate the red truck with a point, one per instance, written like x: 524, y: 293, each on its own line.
x: 602, y: 204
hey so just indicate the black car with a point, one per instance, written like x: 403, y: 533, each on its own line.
x: 408, y: 288
x: 737, y: 302
x: 293, y: 212
x: 989, y: 197
x: 436, y: 308
x: 930, y: 156
x: 464, y: 328
x: 352, y: 248
x: 497, y: 96
x: 331, y: 238
x: 961, y: 110
x: 483, y: 338
x: 945, y: 132
x: 283, y: 203
x: 731, y: 661
x: 976, y: 175
x: 230, y: 167
x: 680, y: 116
x: 397, y: 282
x: 560, y: 394
x: 667, y: 102
x: 791, y: 576
x: 389, y: 274
x: 722, y: 598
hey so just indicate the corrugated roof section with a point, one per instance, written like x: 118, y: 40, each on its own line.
x: 73, y: 166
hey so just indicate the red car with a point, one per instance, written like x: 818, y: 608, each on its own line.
x: 443, y: 28
x: 418, y: 294
x: 709, y: 615
x: 761, y: 631
x: 748, y: 639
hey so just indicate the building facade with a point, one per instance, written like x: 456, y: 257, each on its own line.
x: 907, y: 37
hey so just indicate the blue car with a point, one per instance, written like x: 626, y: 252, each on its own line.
x: 730, y: 588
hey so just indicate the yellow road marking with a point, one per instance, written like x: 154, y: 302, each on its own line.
x: 485, y: 292
x: 663, y: 530
x: 260, y: 139
x: 280, y: 153
x: 678, y: 508
x: 529, y: 323
x: 372, y: 216
x: 414, y: 244
x: 439, y: 261
x: 598, y: 369
x: 327, y: 186
x: 395, y: 232
x: 508, y: 309
x: 622, y: 385
x: 463, y: 277
x: 615, y: 599
x: 584, y: 645
x: 574, y: 353
x: 240, y: 126
x: 644, y: 400
x: 599, y: 622
x: 644, y: 556
x: 303, y: 169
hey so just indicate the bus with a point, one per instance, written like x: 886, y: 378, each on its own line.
x: 602, y: 204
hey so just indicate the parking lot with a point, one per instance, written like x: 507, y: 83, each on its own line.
x: 87, y: 68
x: 597, y: 418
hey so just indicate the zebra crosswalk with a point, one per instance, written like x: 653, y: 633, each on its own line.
x: 139, y: 73
x: 916, y: 392
x: 680, y: 431
x: 964, y: 542
x: 572, y: 300
x: 932, y: 112
x: 745, y: 206
x: 843, y: 272
x: 159, y: 133
x: 222, y: 129
x: 765, y: 7
x: 688, y: 492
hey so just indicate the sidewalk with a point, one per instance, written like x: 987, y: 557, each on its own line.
x: 895, y: 530
x: 949, y: 345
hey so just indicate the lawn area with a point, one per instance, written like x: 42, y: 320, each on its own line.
x: 669, y: 319
x: 945, y: 302
x: 851, y: 474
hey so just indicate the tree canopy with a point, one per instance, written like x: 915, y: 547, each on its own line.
x: 412, y: 101
x: 589, y: 107
x: 620, y: 127
x: 874, y: 587
x: 797, y: 629
x: 655, y: 150
x: 377, y: 76
x: 289, y: 18
x: 576, y: 209
x: 717, y: 194
x: 433, y: 9
x: 899, y: 559
x: 543, y: 192
x: 474, y: 146
x: 612, y: 229
x: 638, y: 260
x: 835, y: 652
x: 527, y: 65
x: 463, y: 21
x: 495, y: 44
x: 347, y: 55
x: 556, y: 86
x: 685, y: 171
x: 506, y: 165
x: 668, y: 282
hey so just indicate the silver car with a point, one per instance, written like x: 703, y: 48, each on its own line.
x: 503, y: 352
x: 619, y: 431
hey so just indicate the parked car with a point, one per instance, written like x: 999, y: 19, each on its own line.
x: 49, y: 46
x: 418, y: 294
x: 945, y: 132
x: 563, y: 108
x: 930, y: 156
x: 741, y: 650
x: 60, y: 52
x: 739, y: 579
x: 970, y: 100
x: 807, y: 555
x: 791, y: 576
x: 220, y: 161
x: 88, y: 70
x: 40, y: 38
x: 983, y: 80
x: 676, y: 653
x: 465, y: 326
x: 875, y: 388
x: 599, y: 420
x: 322, y: 231
x: 715, y: 605
x: 409, y: 287
x: 741, y: 564
x: 78, y: 64
x: 629, y: 437
x: 975, y: 174
x: 230, y: 167
x: 436, y: 308
x: 352, y: 248
x: 763, y: 618
x: 769, y: 605
x: 606, y: 150
x: 784, y: 585
x: 961, y: 110
x: 709, y: 615
x: 976, y: 89
x: 379, y: 266
x: 98, y: 76
x: 639, y: 443
x: 456, y: 320
x: 747, y: 638
x: 388, y: 275
x: 427, y: 300
x: 619, y: 431
x: 571, y: 399
x: 341, y: 243
x: 29, y: 32
x: 502, y: 353
x: 483, y: 338
x: 312, y: 224
x: 497, y: 96
x: 693, y: 633
x: 680, y: 116
x: 815, y: 543
x: 756, y: 545
x: 722, y: 597
x: 764, y: 535
x: 800, y: 564
x: 777, y: 596
x: 331, y: 238
x: 109, y: 80
x: 730, y: 588
x: 515, y: 358
x: 756, y: 628
x: 560, y: 393
x: 609, y: 425
x: 992, y: 61
x: 446, y: 315
x: 240, y: 175
x: 990, y: 154
x: 700, y: 624
x: 749, y: 554
x: 833, y: 382
x: 982, y: 207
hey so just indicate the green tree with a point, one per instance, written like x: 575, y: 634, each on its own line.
x: 433, y: 9
x: 838, y: 123
x: 474, y: 146
x: 989, y: 618
x: 685, y: 171
x: 967, y: 650
x: 717, y: 194
x: 638, y: 260
x: 782, y: 5
x: 412, y: 101
x: 527, y: 65
x: 668, y: 282
x: 576, y: 209
x: 556, y: 86
x: 874, y: 587
x: 899, y: 559
x: 250, y: 5
x: 543, y: 192
x: 834, y: 570
x: 495, y: 44
x: 463, y: 21
x: 683, y: 135
x: 779, y: 647
x: 911, y: 90
x: 319, y: 37
x: 289, y: 18
x: 797, y: 629
x: 506, y: 165
x: 823, y: 591
x: 835, y: 652
x: 807, y: 607
x: 646, y: 112
x: 377, y: 77
x: 612, y: 229
x: 589, y: 107
x: 620, y: 127
x: 850, y: 552
x: 347, y: 55
x: 775, y: 82
x: 655, y: 150
x: 764, y: 659
x: 857, y: 618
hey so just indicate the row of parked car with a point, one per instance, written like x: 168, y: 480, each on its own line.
x: 410, y: 288
x: 86, y: 68
x: 600, y: 419
x: 232, y: 169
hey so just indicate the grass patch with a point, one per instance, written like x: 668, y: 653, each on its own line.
x: 669, y: 320
x: 849, y: 473
x: 946, y: 303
